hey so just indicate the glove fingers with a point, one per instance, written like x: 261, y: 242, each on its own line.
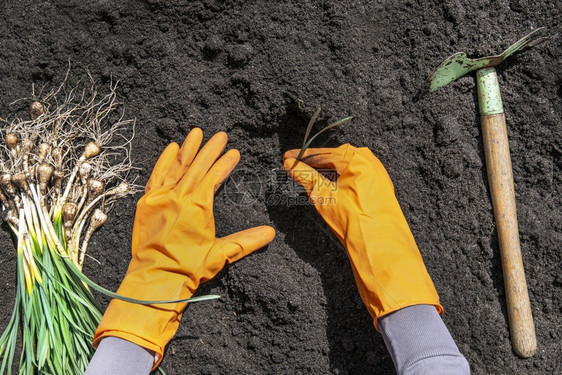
x: 220, y: 171
x: 232, y: 248
x: 162, y: 167
x: 185, y: 156
x: 202, y: 163
x: 312, y: 181
x: 329, y: 158
x: 237, y: 245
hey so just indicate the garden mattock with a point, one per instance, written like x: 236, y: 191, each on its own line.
x: 500, y: 178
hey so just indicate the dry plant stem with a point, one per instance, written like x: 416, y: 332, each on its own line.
x: 83, y: 197
x: 69, y: 212
x: 121, y: 189
x: 97, y: 220
x: 307, y: 133
x: 306, y: 142
x: 85, y: 155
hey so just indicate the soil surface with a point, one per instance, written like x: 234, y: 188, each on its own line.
x: 258, y: 70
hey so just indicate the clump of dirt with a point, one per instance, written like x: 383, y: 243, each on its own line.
x: 258, y: 70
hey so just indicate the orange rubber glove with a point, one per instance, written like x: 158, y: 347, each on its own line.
x: 362, y: 210
x: 174, y: 247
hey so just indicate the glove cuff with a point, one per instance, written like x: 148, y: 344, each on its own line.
x: 149, y: 326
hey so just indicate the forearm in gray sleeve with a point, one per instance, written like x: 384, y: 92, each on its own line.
x: 118, y: 356
x: 420, y: 343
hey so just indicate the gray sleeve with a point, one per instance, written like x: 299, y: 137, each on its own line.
x: 419, y: 342
x: 118, y: 356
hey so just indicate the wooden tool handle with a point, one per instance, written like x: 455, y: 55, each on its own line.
x: 500, y: 178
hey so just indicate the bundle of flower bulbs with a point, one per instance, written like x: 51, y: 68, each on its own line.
x: 61, y: 170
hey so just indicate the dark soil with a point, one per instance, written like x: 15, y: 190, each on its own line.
x: 258, y: 70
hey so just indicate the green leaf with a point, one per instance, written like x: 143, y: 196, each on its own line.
x: 42, y: 347
x: 101, y: 289
x: 10, y: 335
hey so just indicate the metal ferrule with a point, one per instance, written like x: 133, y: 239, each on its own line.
x: 489, y: 96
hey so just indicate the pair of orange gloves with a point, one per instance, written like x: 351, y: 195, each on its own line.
x: 174, y: 246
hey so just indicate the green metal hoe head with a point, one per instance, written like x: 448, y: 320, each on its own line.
x: 459, y: 64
